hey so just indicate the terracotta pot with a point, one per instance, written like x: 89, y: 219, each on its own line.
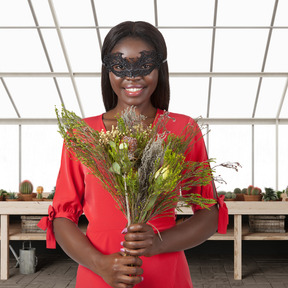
x: 25, y: 197
x: 239, y: 197
x: 252, y: 197
x: 7, y: 199
x: 1, y: 198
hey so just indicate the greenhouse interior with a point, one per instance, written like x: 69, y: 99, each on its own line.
x: 228, y: 70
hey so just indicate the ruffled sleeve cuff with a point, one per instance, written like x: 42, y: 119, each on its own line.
x: 223, y: 218
x: 46, y: 223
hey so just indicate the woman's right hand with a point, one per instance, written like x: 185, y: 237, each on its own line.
x: 121, y: 271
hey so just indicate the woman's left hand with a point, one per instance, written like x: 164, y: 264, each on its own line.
x: 140, y: 240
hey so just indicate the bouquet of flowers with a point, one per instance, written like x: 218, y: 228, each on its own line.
x: 143, y: 167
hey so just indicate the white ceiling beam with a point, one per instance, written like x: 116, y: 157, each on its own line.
x: 63, y: 46
x: 212, y: 58
x: 45, y: 51
x: 159, y: 27
x: 171, y: 74
x: 265, y: 58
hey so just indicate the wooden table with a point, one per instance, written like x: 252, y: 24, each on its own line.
x: 237, y: 234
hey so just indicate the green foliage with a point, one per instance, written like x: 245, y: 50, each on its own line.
x: 26, y: 187
x: 230, y: 195
x: 12, y: 195
x: 143, y: 168
x: 269, y: 195
x: 3, y: 192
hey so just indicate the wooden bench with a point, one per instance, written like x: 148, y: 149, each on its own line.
x: 237, y: 233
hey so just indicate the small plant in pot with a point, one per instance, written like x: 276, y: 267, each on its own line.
x: 230, y: 196
x: 3, y: 194
x: 270, y: 195
x: 51, y: 195
x: 39, y: 191
x: 239, y: 194
x: 26, y: 189
x: 253, y: 194
x: 12, y: 196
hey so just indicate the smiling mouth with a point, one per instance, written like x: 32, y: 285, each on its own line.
x: 133, y: 89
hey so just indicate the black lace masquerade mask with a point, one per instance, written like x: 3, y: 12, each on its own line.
x: 131, y: 67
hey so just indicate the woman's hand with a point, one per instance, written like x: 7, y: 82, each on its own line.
x: 140, y: 240
x: 121, y: 271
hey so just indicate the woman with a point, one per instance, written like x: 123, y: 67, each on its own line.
x: 134, y: 72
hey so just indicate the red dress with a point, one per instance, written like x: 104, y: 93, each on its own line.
x: 79, y: 192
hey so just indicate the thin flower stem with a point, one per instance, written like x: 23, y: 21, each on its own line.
x: 127, y: 202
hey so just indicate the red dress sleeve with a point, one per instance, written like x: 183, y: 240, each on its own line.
x: 199, y: 154
x: 67, y: 202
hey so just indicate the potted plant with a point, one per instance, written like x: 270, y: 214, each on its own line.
x: 12, y: 196
x: 253, y: 194
x: 230, y: 196
x: 39, y: 196
x: 239, y: 194
x: 284, y: 195
x: 25, y: 190
x: 51, y: 195
x: 3, y: 193
x: 270, y: 195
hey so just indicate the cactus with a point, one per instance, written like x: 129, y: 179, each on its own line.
x: 249, y: 190
x: 230, y: 195
x: 256, y: 191
x: 237, y: 191
x: 39, y: 196
x: 244, y: 191
x: 26, y: 187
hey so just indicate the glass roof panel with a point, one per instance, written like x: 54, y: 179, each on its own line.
x: 281, y: 15
x: 15, y: 13
x: 68, y: 95
x: 34, y: 97
x: 9, y: 158
x: 74, y: 12
x: 110, y: 13
x: 233, y: 97
x: 265, y: 156
x: 21, y: 51
x: 83, y: 49
x: 270, y: 97
x: 90, y: 94
x: 6, y: 108
x: 284, y: 110
x: 245, y: 12
x: 43, y: 14
x: 239, y: 50
x: 189, y: 96
x: 193, y: 13
x: 277, y: 59
x: 230, y: 143
x: 188, y: 50
x: 54, y: 50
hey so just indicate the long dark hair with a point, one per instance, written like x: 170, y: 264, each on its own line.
x: 152, y: 36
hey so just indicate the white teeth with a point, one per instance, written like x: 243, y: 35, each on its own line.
x: 133, y: 89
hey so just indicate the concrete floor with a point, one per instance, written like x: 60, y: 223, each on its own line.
x: 265, y: 264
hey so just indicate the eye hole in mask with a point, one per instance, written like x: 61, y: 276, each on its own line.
x: 131, y: 67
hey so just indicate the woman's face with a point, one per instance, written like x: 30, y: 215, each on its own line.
x: 133, y: 87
